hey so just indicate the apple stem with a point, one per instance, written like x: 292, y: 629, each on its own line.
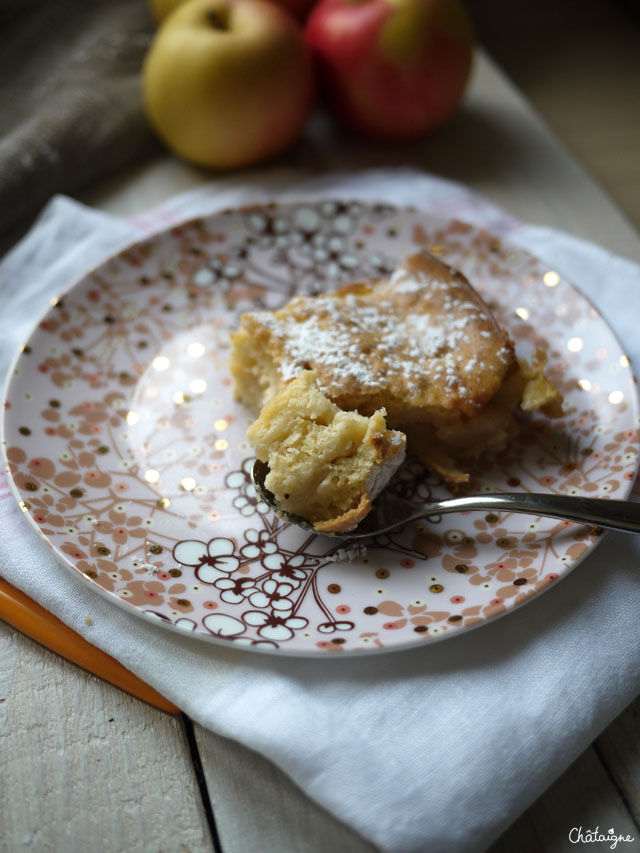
x: 219, y: 19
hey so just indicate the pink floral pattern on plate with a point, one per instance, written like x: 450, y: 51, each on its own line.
x: 128, y: 454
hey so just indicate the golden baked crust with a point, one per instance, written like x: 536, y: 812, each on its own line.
x: 422, y: 345
x: 422, y: 339
x: 326, y: 465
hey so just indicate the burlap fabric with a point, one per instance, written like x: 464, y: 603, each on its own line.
x: 70, y: 101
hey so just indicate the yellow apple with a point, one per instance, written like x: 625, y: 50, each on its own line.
x: 161, y: 8
x: 298, y: 8
x: 228, y: 83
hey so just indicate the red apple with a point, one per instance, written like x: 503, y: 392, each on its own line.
x: 392, y: 69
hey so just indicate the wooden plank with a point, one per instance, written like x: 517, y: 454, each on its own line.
x: 579, y: 64
x: 582, y: 797
x: 516, y: 161
x: 619, y: 749
x: 85, y: 767
x: 259, y: 810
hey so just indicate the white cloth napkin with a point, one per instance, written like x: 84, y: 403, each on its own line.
x: 438, y: 748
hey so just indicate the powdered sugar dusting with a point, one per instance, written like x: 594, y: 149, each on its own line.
x: 408, y: 330
x: 347, y: 555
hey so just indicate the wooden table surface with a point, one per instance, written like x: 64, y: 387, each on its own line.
x: 85, y: 767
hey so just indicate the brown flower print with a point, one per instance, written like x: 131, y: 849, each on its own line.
x: 417, y: 614
x: 183, y: 605
x: 428, y: 544
x: 455, y: 564
x: 124, y: 526
x: 143, y: 593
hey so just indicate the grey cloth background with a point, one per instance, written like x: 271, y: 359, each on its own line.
x: 70, y: 99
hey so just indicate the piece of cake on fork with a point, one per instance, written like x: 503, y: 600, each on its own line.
x: 326, y: 464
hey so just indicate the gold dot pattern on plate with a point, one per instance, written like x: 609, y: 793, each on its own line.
x: 163, y: 503
x: 161, y: 362
x: 575, y: 344
x: 220, y: 424
x: 221, y: 444
x: 151, y: 475
x: 616, y: 397
x: 551, y: 278
x: 522, y: 312
x: 584, y: 384
x: 187, y: 484
x: 196, y: 350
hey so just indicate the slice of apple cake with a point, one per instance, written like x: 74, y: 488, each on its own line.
x: 422, y: 345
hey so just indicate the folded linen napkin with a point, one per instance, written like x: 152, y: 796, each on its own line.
x: 438, y: 748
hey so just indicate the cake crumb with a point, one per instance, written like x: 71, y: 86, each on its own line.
x: 88, y: 620
x: 348, y: 555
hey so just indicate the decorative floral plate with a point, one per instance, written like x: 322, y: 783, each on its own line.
x: 127, y: 451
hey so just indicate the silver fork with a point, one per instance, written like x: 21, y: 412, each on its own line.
x: 392, y: 511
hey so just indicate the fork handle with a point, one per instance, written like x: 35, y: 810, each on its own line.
x: 614, y: 515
